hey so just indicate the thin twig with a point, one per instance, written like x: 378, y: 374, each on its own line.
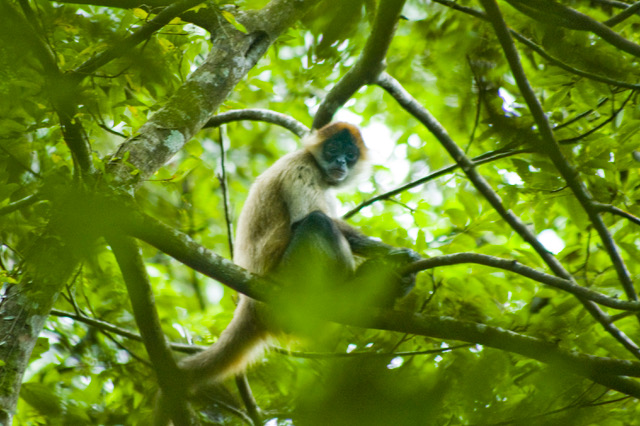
x: 617, y: 211
x: 222, y: 178
x: 600, y: 125
x: 481, y: 159
x: 330, y: 355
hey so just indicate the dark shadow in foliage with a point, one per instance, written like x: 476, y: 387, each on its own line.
x: 366, y: 392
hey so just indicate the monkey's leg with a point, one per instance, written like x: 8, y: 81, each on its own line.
x: 318, y: 255
x: 313, y: 268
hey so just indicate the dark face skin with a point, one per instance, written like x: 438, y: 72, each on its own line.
x: 339, y: 154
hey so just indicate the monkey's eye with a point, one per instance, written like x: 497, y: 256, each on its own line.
x: 352, y: 154
x: 331, y: 150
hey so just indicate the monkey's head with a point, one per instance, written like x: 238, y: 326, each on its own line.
x: 339, y: 151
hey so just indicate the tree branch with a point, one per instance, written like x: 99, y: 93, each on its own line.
x: 256, y: 114
x: 606, y: 371
x: 547, y: 10
x: 520, y: 269
x: 133, y: 270
x: 412, y: 106
x: 194, y: 103
x: 124, y: 46
x: 17, y: 205
x: 539, y: 50
x: 554, y: 61
x: 551, y: 148
x: 182, y: 248
x: 617, y: 211
x: 480, y: 159
x: 205, y: 17
x: 369, y: 65
x: 624, y: 15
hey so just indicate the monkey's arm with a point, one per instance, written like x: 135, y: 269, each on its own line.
x: 383, y: 264
x: 368, y: 247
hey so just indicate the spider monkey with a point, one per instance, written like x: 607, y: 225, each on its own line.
x: 289, y: 229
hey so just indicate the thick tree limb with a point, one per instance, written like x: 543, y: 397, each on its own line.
x: 506, y: 340
x: 190, y: 108
x: 183, y: 249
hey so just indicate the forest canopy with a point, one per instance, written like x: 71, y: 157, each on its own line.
x: 505, y: 138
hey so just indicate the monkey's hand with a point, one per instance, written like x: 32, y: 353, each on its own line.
x: 398, y: 259
x: 383, y: 276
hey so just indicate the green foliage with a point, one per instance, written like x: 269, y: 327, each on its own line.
x: 452, y: 64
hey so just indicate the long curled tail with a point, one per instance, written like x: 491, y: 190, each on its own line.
x: 239, y: 344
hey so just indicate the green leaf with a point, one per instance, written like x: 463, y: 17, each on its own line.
x: 232, y: 20
x: 42, y: 397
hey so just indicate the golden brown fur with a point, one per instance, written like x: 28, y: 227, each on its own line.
x: 287, y: 192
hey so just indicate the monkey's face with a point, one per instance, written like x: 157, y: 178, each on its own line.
x: 339, y: 155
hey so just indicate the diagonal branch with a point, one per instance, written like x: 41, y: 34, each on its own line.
x: 369, y: 64
x: 548, y: 10
x: 617, y: 211
x: 539, y: 50
x: 412, y: 106
x: 480, y: 159
x: 124, y: 46
x: 449, y: 328
x: 551, y: 148
x: 554, y: 61
x: 133, y: 271
x: 624, y: 15
x: 194, y: 103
